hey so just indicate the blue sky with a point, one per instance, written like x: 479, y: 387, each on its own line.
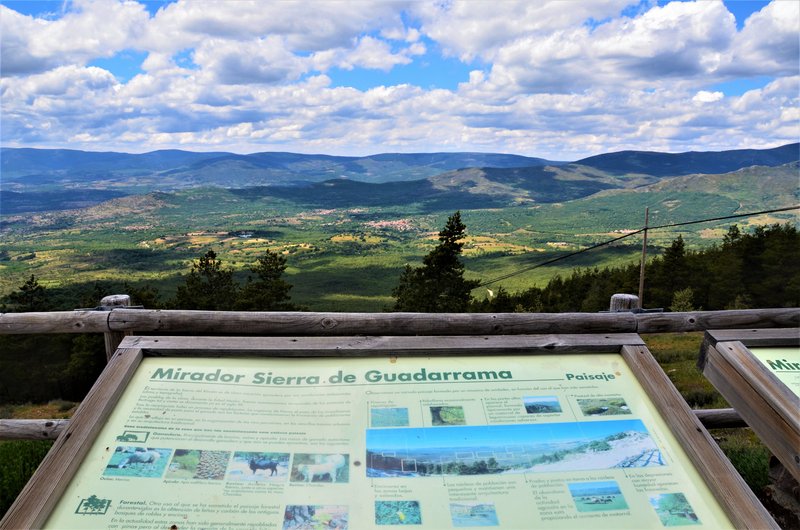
x: 494, y: 435
x: 559, y: 80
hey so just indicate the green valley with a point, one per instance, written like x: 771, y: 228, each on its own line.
x: 347, y: 241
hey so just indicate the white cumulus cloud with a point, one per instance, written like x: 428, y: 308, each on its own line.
x: 704, y: 96
x: 560, y: 80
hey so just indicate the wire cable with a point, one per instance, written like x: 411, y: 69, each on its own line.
x: 604, y: 243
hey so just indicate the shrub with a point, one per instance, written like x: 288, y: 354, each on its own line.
x: 748, y: 455
x: 20, y: 459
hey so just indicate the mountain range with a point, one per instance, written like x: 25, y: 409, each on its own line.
x: 58, y: 179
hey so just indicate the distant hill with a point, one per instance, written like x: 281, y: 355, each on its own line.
x: 679, y: 164
x: 12, y: 202
x: 476, y: 188
x: 54, y: 179
x: 174, y: 169
x: 753, y: 187
x: 343, y: 193
x: 18, y: 161
x: 534, y: 184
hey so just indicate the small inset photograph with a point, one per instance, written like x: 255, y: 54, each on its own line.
x: 148, y: 462
x: 473, y: 514
x: 614, y: 406
x: 448, y: 415
x: 198, y: 464
x: 389, y: 417
x: 397, y: 512
x: 133, y: 436
x: 541, y: 404
x: 597, y: 496
x: 674, y: 510
x: 320, y: 468
x: 314, y: 517
x: 247, y: 466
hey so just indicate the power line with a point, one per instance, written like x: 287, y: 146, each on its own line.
x: 565, y: 256
x: 604, y: 243
x: 726, y: 217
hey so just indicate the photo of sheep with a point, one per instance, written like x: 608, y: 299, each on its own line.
x: 129, y: 461
x: 248, y: 466
x: 389, y: 417
x: 614, y: 406
x: 599, y: 496
x: 674, y: 510
x: 313, y: 517
x: 198, y: 464
x: 541, y: 404
x: 397, y: 512
x: 332, y: 468
x: 448, y: 415
x: 473, y: 514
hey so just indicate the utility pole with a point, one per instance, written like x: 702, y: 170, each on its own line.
x: 644, y: 257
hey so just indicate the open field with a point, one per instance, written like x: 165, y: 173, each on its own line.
x: 339, y: 259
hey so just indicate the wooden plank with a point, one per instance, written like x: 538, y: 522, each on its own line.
x: 38, y: 498
x: 720, y: 418
x: 748, y: 337
x: 704, y: 320
x: 343, y: 324
x: 767, y: 405
x: 733, y: 494
x: 54, y: 322
x: 783, y: 400
x: 32, y: 429
x: 365, y: 346
x: 757, y: 337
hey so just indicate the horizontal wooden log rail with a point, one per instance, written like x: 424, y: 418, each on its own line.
x: 123, y: 320
x: 50, y: 429
x: 31, y: 429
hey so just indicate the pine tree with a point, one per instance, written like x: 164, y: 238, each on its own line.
x: 268, y: 292
x: 439, y: 285
x: 207, y: 286
x: 30, y: 297
x: 669, y: 273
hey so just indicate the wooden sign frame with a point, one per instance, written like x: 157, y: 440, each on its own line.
x: 763, y: 400
x: 41, y: 495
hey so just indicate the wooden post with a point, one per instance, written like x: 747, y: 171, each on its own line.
x: 644, y: 258
x: 623, y: 302
x: 113, y: 338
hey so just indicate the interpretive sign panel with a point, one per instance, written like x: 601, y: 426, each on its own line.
x: 514, y: 441
x: 783, y: 363
x: 758, y: 372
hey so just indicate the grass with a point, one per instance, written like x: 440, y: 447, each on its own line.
x: 20, y: 458
x: 677, y: 354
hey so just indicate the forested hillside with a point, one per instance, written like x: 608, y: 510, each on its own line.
x: 746, y: 270
x: 753, y: 269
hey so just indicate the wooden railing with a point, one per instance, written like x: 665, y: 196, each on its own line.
x: 115, y: 321
x: 145, y: 321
